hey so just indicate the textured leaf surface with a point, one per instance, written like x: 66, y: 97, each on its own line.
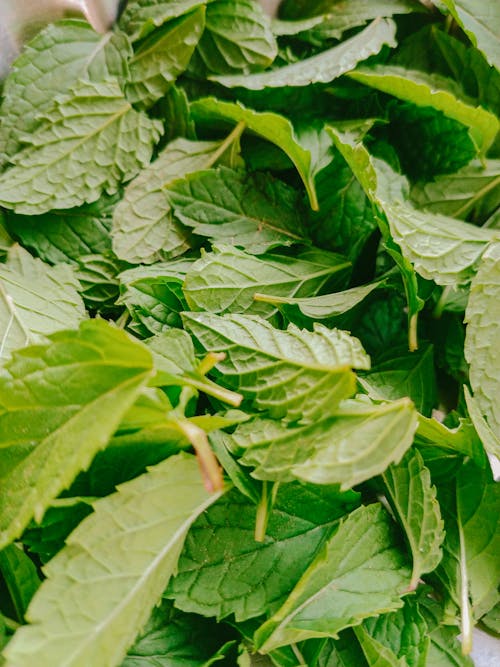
x: 359, y: 573
x: 413, y: 499
x: 59, y: 404
x: 226, y: 279
x: 142, y: 16
x: 35, y: 300
x: 271, y: 126
x: 231, y: 207
x: 323, y: 67
x: 246, y: 577
x: 103, y: 585
x: 143, y: 229
x: 482, y: 334
x: 162, y: 57
x: 433, y: 91
x: 293, y: 373
x: 238, y: 37
x: 50, y: 64
x: 68, y: 160
x: 347, y: 448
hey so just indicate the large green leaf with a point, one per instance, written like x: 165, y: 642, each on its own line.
x: 226, y: 279
x: 361, y: 572
x: 322, y: 67
x: 241, y: 576
x: 271, y: 126
x: 68, y: 161
x: 413, y: 498
x: 63, y: 236
x: 102, y: 587
x: 59, y: 405
x: 143, y: 229
x: 481, y: 336
x: 293, y: 373
x: 141, y: 17
x: 50, y: 64
x: 236, y: 208
x: 35, y: 300
x: 480, y: 24
x: 237, y: 38
x: 359, y: 441
x: 162, y: 57
x: 470, y: 569
x: 432, y: 91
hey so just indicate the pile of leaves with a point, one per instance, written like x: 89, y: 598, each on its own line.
x: 249, y: 335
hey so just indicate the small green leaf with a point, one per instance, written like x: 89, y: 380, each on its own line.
x: 68, y: 161
x: 413, y: 498
x: 293, y: 373
x: 20, y: 576
x: 35, y: 300
x: 61, y: 403
x: 481, y: 335
x: 323, y: 67
x: 125, y: 553
x: 231, y: 207
x: 355, y: 443
x: 141, y: 17
x: 241, y: 576
x: 226, y: 279
x: 427, y: 90
x: 360, y: 572
x: 162, y: 57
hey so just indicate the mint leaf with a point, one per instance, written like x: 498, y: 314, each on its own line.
x: 252, y: 577
x: 359, y: 573
x: 35, y: 300
x: 162, y: 57
x: 67, y: 161
x: 236, y: 208
x: 20, y: 576
x: 481, y: 334
x: 141, y: 17
x: 413, y: 498
x: 226, y: 279
x: 322, y: 67
x: 52, y: 62
x: 347, y: 447
x: 293, y: 373
x: 62, y: 402
x: 132, y: 577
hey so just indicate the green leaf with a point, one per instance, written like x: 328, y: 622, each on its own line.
x: 427, y: 90
x: 247, y: 578
x: 322, y: 67
x: 226, y: 279
x: 401, y: 373
x: 479, y: 25
x: 68, y: 162
x: 141, y: 17
x: 143, y: 228
x: 472, y: 191
x: 60, y: 404
x: 462, y: 439
x: 20, y: 576
x: 63, y: 236
x: 162, y: 57
x: 413, y: 498
x: 470, y: 569
x: 35, y: 300
x: 293, y: 373
x: 98, y: 277
x: 376, y: 654
x: 490, y: 441
x: 271, y: 126
x: 344, y: 651
x: 248, y: 211
x: 237, y: 38
x: 362, y: 10
x: 444, y: 649
x: 491, y: 620
x: 359, y: 441
x: 481, y: 335
x: 50, y: 64
x: 360, y: 572
x: 153, y: 295
x: 124, y: 553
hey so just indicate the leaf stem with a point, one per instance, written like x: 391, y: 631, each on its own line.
x: 465, y: 609
x: 209, y: 466
x: 412, y: 333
